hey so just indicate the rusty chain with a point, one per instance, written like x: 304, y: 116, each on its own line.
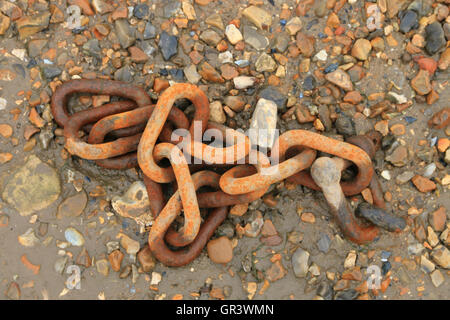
x: 144, y: 135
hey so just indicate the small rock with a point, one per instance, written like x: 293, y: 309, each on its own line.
x: 123, y: 32
x: 211, y: 37
x: 253, y: 38
x: 141, y: 11
x: 437, y: 278
x: 115, y: 259
x: 421, y: 83
x: 33, y: 187
x: 300, y: 263
x: 216, y: 112
x: 60, y: 264
x: 294, y: 25
x: 30, y: 25
x: 441, y: 255
x: 324, y: 243
x: 273, y: 94
x: 404, y: 177
x: 102, y: 267
x: 361, y: 49
x: 305, y: 43
x: 350, y: 260
x: 133, y: 203
x: 233, y: 34
x: 345, y: 125
x: 276, y: 271
x: 191, y: 74
x: 13, y: 291
x: 321, y: 56
x: 426, y: 265
x: 435, y: 38
x: 146, y: 259
x: 84, y: 259
x: 432, y: 238
x: 408, y: 21
x: 131, y: 246
x: 137, y: 55
x: 74, y: 237
x: 341, y: 79
x: 28, y: 239
x: 438, y: 219
x: 215, y: 20
x: 168, y: 45
x: 265, y: 63
x: 398, y: 157
x: 243, y: 82
x: 72, y: 206
x: 423, y: 184
x: 263, y: 123
x: 259, y: 17
x: 220, y: 250
x: 236, y: 103
x: 350, y: 294
x: 5, y: 22
x: 149, y: 31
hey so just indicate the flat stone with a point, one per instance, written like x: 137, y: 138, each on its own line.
x: 137, y: 55
x: 131, y: 246
x: 236, y: 103
x: 438, y: 219
x: 28, y: 239
x: 146, y: 259
x: 33, y: 187
x: 305, y: 43
x: 408, y: 21
x: 398, y: 157
x: 168, y: 45
x: 233, y: 34
x: 437, y: 278
x: 5, y: 22
x: 51, y: 72
x: 253, y: 38
x: 115, y: 259
x: 141, y: 11
x: 259, y: 17
x: 191, y: 74
x: 243, y: 82
x: 423, y: 184
x: 272, y: 93
x: 149, y: 31
x: 265, y: 63
x: 435, y: 38
x: 441, y: 255
x: 208, y: 73
x: 220, y: 250
x: 133, y: 203
x: 294, y: 25
x: 74, y: 237
x: 263, y: 123
x: 215, y: 20
x: 421, y: 82
x: 340, y: 78
x: 300, y: 263
x: 124, y: 33
x: 72, y: 206
x: 216, y: 112
x: 211, y: 37
x: 30, y: 25
x: 102, y: 267
x: 361, y: 49
x: 404, y: 177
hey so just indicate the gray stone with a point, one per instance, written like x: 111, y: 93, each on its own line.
x: 404, y: 177
x: 211, y: 37
x: 345, y: 125
x: 123, y: 74
x: 51, y: 72
x: 324, y: 243
x: 437, y: 278
x: 171, y: 8
x: 272, y: 93
x: 265, y: 63
x: 124, y: 33
x: 253, y: 38
x: 281, y: 43
x: 300, y: 263
x: 149, y: 31
x: 434, y: 35
x: 191, y: 74
x: 168, y: 45
x: 33, y: 187
x: 441, y: 255
x: 408, y: 21
x: 74, y: 237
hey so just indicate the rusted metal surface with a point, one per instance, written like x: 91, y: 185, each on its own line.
x: 156, y: 123
x: 97, y: 86
x: 136, y: 125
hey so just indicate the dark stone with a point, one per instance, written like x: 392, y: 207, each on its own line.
x: 385, y: 267
x: 168, y: 45
x: 51, y: 72
x: 309, y: 83
x: 408, y: 21
x: 140, y: 11
x: 350, y: 294
x: 344, y: 125
x: 332, y: 67
x: 324, y: 243
x: 324, y: 116
x: 177, y: 74
x: 434, y: 35
x: 92, y: 48
x: 123, y: 74
x: 149, y: 31
x: 272, y: 93
x: 325, y: 290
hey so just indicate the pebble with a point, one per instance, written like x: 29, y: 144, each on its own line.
x: 215, y: 20
x: 146, y: 259
x: 5, y: 22
x: 437, y: 278
x: 233, y: 34
x: 324, y: 243
x: 441, y: 255
x: 131, y: 246
x: 225, y: 57
x: 273, y: 94
x: 115, y: 259
x: 438, y: 218
x: 426, y: 265
x: 33, y: 187
x: 84, y: 259
x: 408, y: 21
x: 168, y: 45
x: 216, y: 112
x: 264, y: 123
x: 341, y: 79
x: 3, y: 103
x: 72, y: 206
x: 281, y: 43
x: 429, y: 170
x: 350, y: 294
x: 361, y: 49
x: 432, y: 238
x: 404, y: 177
x: 191, y: 74
x: 423, y: 184
x: 149, y: 31
x: 294, y: 25
x: 220, y: 250
x: 60, y: 264
x: 421, y: 82
x: 300, y: 263
x: 253, y: 38
x: 13, y: 291
x: 259, y: 17
x: 243, y: 82
x: 133, y: 203
x: 345, y: 125
x: 265, y: 63
x: 141, y: 11
x: 435, y: 38
x: 321, y: 56
x: 30, y: 25
x: 123, y: 32
x: 350, y: 260
x: 309, y: 83
x: 28, y: 239
x: 102, y: 267
x: 325, y: 290
x: 211, y: 37
x: 398, y: 157
x: 74, y: 237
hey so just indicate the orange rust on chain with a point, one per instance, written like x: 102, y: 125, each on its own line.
x: 162, y: 223
x: 337, y: 148
x: 156, y: 123
x: 97, y: 86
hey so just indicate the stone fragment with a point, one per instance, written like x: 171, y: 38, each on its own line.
x: 123, y: 32
x: 115, y: 259
x: 421, y: 82
x: 361, y: 49
x: 220, y: 250
x: 72, y: 206
x: 133, y: 203
x: 258, y: 16
x: 30, y: 25
x: 146, y: 259
x: 423, y: 184
x: 265, y: 63
x: 168, y: 45
x: 300, y: 263
x: 340, y: 78
x: 441, y: 255
x: 263, y: 123
x: 233, y: 34
x: 216, y: 112
x: 74, y: 237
